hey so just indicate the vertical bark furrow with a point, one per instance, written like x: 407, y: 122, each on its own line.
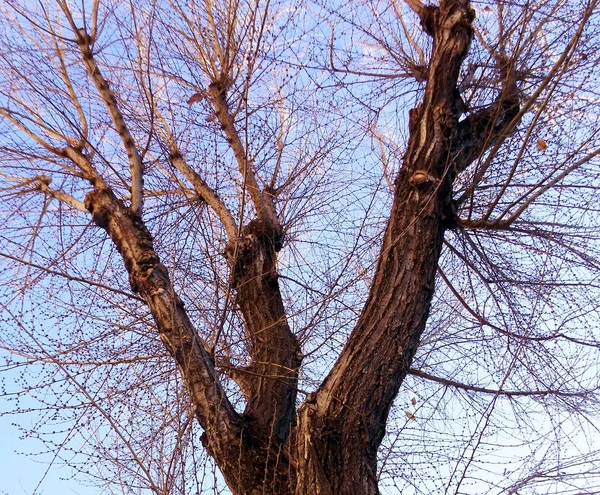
x: 346, y: 418
x: 275, y: 355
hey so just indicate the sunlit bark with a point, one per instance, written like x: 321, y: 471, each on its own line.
x: 105, y: 158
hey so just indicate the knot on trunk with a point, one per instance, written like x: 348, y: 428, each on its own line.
x: 143, y: 269
x: 421, y: 178
x: 129, y: 233
x: 429, y: 19
x: 253, y: 253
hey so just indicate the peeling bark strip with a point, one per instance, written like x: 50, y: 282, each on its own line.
x: 342, y: 424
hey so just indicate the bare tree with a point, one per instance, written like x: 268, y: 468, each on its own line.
x: 247, y: 237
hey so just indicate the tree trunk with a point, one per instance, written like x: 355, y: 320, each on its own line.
x: 270, y: 381
x: 330, y: 446
x: 341, y: 426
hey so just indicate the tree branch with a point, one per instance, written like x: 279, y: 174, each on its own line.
x: 496, y: 392
x: 350, y: 408
x: 417, y: 6
x: 84, y: 41
x: 224, y: 428
x: 43, y: 185
x: 271, y: 378
x: 11, y: 116
x: 489, y: 127
x: 263, y: 203
x: 203, y: 190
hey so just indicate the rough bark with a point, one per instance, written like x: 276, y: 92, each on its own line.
x: 245, y: 456
x: 270, y: 381
x: 330, y: 446
x: 342, y: 424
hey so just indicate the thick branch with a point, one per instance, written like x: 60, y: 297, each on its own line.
x: 350, y: 408
x: 272, y: 376
x: 416, y: 5
x: 110, y: 102
x: 150, y: 279
x: 490, y: 126
x: 243, y: 457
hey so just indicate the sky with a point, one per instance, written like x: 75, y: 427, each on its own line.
x: 22, y: 474
x: 24, y: 471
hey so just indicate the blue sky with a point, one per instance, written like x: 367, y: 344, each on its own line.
x: 23, y: 469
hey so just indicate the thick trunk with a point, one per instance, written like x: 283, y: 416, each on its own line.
x: 330, y: 446
x: 270, y: 381
x: 342, y: 424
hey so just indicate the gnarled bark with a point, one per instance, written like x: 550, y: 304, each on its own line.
x: 270, y: 380
x: 246, y: 457
x: 329, y: 446
x: 342, y: 424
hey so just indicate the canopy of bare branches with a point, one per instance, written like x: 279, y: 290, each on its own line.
x: 296, y: 247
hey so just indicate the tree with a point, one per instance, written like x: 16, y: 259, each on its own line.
x: 223, y: 214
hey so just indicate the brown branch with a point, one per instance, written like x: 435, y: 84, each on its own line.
x: 417, y: 6
x: 263, y: 203
x: 416, y: 72
x: 44, y: 187
x: 545, y: 185
x: 271, y: 379
x: 489, y: 127
x: 226, y: 436
x: 84, y: 41
x: 64, y: 73
x: 83, y: 163
x: 41, y: 183
x: 497, y: 392
x: 204, y: 191
x: 407, y: 34
x: 16, y: 119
